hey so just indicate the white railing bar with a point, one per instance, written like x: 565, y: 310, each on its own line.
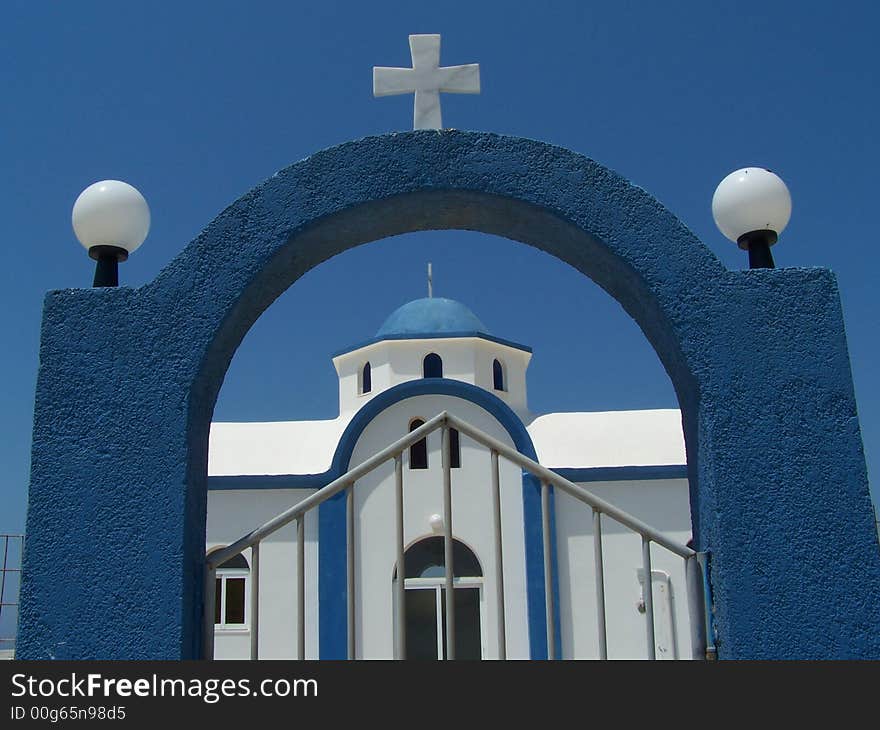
x: 301, y: 587
x: 549, y: 611
x: 349, y: 568
x: 208, y: 608
x: 545, y: 474
x: 313, y: 500
x: 600, y: 583
x: 399, y: 586
x: 447, y: 543
x: 255, y: 600
x: 499, y: 557
x: 649, y: 597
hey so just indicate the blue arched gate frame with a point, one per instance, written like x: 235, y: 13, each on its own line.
x: 128, y: 379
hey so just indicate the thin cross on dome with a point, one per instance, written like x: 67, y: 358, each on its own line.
x: 427, y: 80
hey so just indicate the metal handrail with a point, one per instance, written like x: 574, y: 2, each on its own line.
x: 296, y: 513
x: 694, y: 568
x: 694, y: 576
x: 551, y: 477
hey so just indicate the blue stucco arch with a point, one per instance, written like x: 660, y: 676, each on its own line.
x: 128, y: 379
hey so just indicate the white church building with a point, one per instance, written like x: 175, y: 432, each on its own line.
x: 327, y: 579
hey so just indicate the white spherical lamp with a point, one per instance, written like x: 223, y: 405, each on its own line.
x: 751, y: 207
x: 111, y: 219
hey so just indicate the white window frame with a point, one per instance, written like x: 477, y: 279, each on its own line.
x: 223, y: 574
x: 438, y: 584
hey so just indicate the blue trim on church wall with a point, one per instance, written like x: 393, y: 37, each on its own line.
x: 622, y: 473
x: 573, y: 474
x: 128, y: 379
x: 269, y: 481
x: 332, y: 579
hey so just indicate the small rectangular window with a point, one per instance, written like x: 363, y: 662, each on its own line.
x: 421, y: 624
x: 468, y: 642
x: 454, y: 450
x: 235, y: 600
x: 418, y: 455
x: 418, y: 452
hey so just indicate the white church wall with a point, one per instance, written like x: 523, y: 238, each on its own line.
x: 349, y: 367
x: 383, y: 376
x: 281, y: 447
x: 232, y: 514
x: 609, y: 438
x: 407, y: 358
x: 514, y: 363
x: 663, y: 504
x: 472, y: 522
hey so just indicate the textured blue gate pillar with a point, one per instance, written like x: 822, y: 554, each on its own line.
x: 128, y: 380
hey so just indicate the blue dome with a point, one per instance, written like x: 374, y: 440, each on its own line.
x: 431, y: 317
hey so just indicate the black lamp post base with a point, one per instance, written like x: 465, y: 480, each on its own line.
x: 758, y: 244
x: 107, y: 268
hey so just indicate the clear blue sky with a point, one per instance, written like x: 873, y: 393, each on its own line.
x: 195, y: 103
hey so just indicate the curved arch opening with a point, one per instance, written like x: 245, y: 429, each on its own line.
x: 599, y: 230
x: 426, y: 558
x: 565, y: 374
x: 460, y: 210
x: 612, y: 349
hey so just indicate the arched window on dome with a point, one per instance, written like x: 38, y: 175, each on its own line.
x: 231, y: 594
x: 432, y: 366
x: 498, y: 375
x: 366, y: 379
x: 418, y: 452
x: 425, y: 619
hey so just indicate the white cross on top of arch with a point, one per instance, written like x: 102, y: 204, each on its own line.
x: 426, y: 79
